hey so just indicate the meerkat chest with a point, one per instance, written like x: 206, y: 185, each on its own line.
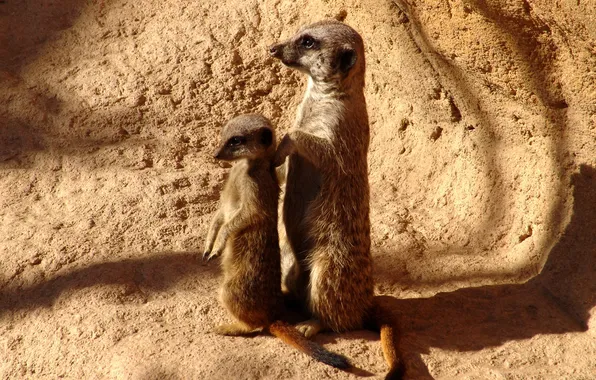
x: 305, y: 107
x: 321, y: 118
x: 232, y: 194
x: 319, y: 113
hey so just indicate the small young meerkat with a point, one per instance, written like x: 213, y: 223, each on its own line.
x: 326, y: 198
x: 244, y: 229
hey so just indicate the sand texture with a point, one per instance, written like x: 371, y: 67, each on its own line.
x: 482, y: 171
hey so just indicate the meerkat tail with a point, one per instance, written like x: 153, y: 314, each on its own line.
x: 390, y: 337
x: 389, y: 341
x: 291, y: 336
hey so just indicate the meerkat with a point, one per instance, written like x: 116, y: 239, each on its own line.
x: 326, y: 200
x: 244, y: 229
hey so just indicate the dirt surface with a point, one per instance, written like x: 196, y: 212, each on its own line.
x: 482, y: 171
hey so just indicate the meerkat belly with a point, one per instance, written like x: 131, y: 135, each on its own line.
x: 251, y: 288
x: 340, y: 264
x: 303, y: 185
x: 341, y: 287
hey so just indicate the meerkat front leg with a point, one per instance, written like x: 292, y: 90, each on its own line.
x: 214, y: 228
x: 285, y: 148
x: 312, y: 147
x: 238, y: 222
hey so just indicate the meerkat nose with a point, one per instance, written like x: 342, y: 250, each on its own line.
x: 274, y: 50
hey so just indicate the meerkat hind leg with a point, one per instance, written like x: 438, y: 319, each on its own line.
x: 236, y: 329
x: 310, y: 328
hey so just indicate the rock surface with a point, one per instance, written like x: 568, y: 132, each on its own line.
x: 482, y: 171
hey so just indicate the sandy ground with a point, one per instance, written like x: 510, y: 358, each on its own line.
x: 482, y: 171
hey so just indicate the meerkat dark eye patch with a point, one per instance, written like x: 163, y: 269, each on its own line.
x: 346, y: 60
x: 266, y: 136
x: 236, y: 141
x: 308, y: 42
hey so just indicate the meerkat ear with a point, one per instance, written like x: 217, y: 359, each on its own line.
x: 266, y: 136
x: 347, y: 59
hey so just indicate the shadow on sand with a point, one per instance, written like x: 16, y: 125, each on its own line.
x: 556, y: 301
x: 158, y: 272
x: 26, y: 25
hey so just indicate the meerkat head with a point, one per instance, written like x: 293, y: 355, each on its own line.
x: 247, y: 136
x: 328, y: 51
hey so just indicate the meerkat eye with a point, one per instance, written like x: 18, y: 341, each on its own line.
x: 266, y: 137
x: 308, y: 42
x: 236, y: 140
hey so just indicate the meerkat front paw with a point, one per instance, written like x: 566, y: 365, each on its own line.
x: 217, y: 249
x: 208, y: 246
x: 285, y: 148
x: 208, y: 251
x: 206, y: 255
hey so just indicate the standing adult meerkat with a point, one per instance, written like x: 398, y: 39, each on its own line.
x: 244, y: 229
x: 326, y: 202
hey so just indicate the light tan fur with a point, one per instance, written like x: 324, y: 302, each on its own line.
x: 326, y: 200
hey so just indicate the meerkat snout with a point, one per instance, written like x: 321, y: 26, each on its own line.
x: 274, y: 50
x: 247, y: 136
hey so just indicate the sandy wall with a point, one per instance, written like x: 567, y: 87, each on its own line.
x: 482, y: 164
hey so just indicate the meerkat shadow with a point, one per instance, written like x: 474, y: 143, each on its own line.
x: 556, y: 301
x: 135, y: 277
